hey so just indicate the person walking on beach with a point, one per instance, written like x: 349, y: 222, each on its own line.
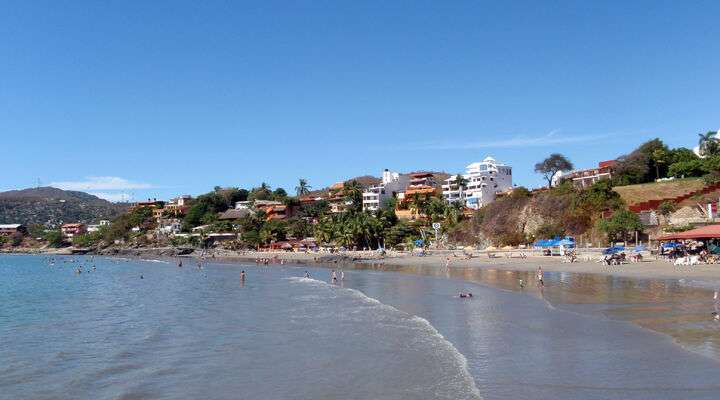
x: 447, y: 263
x: 540, y: 276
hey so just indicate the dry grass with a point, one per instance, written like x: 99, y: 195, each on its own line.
x: 633, y: 194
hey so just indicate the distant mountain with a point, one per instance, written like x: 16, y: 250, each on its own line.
x: 48, y: 205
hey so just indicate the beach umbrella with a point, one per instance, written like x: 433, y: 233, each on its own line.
x: 567, y: 242
x: 614, y: 249
x: 670, y: 245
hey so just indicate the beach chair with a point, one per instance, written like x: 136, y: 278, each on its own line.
x: 681, y: 261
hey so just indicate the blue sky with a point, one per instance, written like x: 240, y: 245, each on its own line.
x: 152, y: 99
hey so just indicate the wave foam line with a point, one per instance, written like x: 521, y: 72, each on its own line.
x: 421, y: 322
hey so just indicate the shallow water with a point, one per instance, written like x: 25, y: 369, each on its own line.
x: 191, y: 333
x: 679, y: 308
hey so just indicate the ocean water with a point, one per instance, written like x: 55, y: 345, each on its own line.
x: 189, y: 333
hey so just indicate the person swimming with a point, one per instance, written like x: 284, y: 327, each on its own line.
x: 179, y: 264
x: 465, y: 295
x: 307, y: 274
x: 141, y: 277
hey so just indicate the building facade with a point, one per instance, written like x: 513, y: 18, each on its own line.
x: 391, y: 184
x: 12, y: 229
x: 583, y: 178
x: 482, y: 181
x: 70, y: 230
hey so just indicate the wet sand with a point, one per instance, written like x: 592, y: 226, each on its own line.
x: 654, y: 294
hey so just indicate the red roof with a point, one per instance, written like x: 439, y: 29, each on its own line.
x: 605, y: 164
x: 705, y: 232
x: 421, y: 175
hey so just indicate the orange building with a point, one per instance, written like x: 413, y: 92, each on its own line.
x: 70, y: 230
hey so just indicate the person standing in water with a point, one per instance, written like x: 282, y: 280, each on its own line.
x: 447, y: 263
x: 333, y: 277
x: 342, y: 275
x: 540, y: 276
x: 307, y: 275
x: 242, y: 276
x: 716, y: 305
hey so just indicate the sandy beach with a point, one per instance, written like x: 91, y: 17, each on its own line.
x: 649, y: 268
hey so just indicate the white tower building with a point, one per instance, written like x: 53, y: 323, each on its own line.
x: 482, y: 181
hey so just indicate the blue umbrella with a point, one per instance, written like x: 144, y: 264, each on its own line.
x: 670, y: 245
x: 567, y: 242
x: 614, y: 249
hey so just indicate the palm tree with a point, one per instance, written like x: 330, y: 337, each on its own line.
x: 708, y: 143
x: 302, y: 188
x: 353, y: 192
x: 461, y: 183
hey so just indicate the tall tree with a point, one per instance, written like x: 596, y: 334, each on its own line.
x: 659, y: 157
x: 550, y: 166
x: 302, y: 188
x: 461, y: 183
x: 353, y: 193
x: 708, y: 143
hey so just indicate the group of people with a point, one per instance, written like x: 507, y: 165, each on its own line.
x: 267, y: 261
x: 334, y: 276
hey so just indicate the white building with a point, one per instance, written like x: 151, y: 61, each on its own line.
x: 169, y: 226
x: 181, y: 201
x: 483, y: 179
x: 96, y: 227
x: 391, y: 184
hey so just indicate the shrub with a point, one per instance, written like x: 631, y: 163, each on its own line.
x: 54, y: 238
x: 666, y: 207
x: 687, y: 169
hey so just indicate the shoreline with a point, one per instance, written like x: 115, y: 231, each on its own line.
x: 501, y: 260
x: 652, y: 294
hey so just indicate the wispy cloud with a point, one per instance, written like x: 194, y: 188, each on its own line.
x: 113, y: 197
x: 101, y: 183
x: 552, y: 138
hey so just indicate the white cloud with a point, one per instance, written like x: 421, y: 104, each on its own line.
x: 551, y: 138
x: 113, y: 197
x: 101, y: 183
